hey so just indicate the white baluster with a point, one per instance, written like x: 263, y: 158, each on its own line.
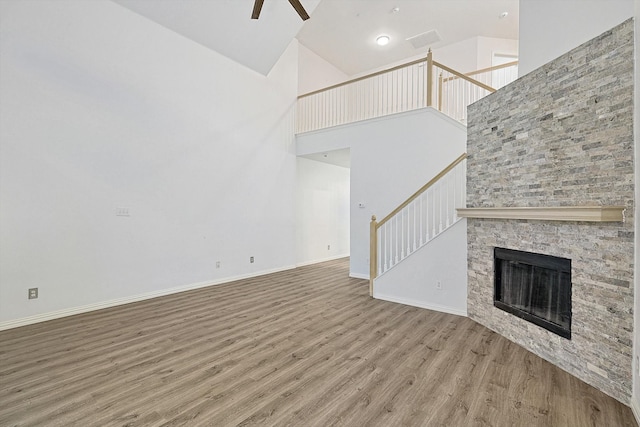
x: 425, y: 205
x: 408, y: 208
x: 379, y: 253
x: 405, y: 89
x: 341, y: 95
x: 432, y: 202
x: 389, y: 250
x: 447, y: 199
x: 401, y: 215
x: 368, y: 98
x: 454, y: 177
x: 452, y: 207
x: 463, y: 202
x: 421, y: 219
x: 415, y: 224
x: 381, y: 100
x: 389, y: 242
x: 433, y: 212
x: 386, y: 246
x: 440, y: 199
x: 396, y: 241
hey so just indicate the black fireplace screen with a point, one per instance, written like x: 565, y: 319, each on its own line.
x: 535, y: 287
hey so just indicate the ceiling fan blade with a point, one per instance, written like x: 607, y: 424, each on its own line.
x: 298, y: 7
x: 257, y: 7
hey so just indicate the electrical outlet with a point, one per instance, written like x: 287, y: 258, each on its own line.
x: 328, y: 247
x: 251, y: 260
x: 439, y: 285
x: 122, y: 212
x: 33, y: 293
x: 217, y: 264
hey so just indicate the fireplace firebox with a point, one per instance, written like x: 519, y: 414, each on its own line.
x: 534, y: 287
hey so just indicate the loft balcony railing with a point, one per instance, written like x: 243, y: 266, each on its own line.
x: 417, y: 84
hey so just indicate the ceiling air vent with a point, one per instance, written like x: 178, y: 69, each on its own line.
x: 424, y: 39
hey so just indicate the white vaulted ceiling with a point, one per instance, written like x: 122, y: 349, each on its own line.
x: 225, y: 26
x: 342, y: 32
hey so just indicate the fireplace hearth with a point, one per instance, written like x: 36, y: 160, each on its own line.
x: 534, y: 287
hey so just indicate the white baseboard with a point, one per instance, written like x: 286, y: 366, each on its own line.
x: 331, y: 258
x: 635, y: 408
x: 359, y: 276
x: 10, y: 324
x: 420, y: 304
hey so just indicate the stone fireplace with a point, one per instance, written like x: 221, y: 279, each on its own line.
x: 561, y: 137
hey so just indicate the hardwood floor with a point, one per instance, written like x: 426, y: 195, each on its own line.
x: 305, y: 347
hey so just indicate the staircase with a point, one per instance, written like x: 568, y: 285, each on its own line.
x: 424, y: 83
x: 429, y: 212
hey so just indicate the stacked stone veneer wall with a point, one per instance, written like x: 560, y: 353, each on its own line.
x: 562, y: 136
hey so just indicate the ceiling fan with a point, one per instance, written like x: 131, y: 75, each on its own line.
x: 257, y: 7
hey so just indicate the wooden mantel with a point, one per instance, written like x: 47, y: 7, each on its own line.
x: 560, y: 213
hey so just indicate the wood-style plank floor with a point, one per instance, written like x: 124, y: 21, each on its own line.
x: 305, y: 347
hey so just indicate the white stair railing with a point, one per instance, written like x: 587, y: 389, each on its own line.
x: 421, y: 218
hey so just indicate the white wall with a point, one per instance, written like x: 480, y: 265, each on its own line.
x: 323, y: 211
x: 391, y: 158
x: 465, y: 56
x: 443, y: 260
x: 461, y: 56
x: 488, y: 46
x: 101, y: 108
x: 550, y: 28
x: 475, y: 53
x: 316, y: 73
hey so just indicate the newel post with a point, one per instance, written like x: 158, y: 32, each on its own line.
x: 429, y: 78
x: 373, y: 252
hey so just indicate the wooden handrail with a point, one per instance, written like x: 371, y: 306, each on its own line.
x: 462, y: 76
x: 377, y: 73
x: 422, y: 189
x: 484, y: 70
x: 494, y: 68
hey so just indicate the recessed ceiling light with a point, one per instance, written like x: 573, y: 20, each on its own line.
x: 383, y: 40
x: 503, y: 15
x: 395, y: 10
